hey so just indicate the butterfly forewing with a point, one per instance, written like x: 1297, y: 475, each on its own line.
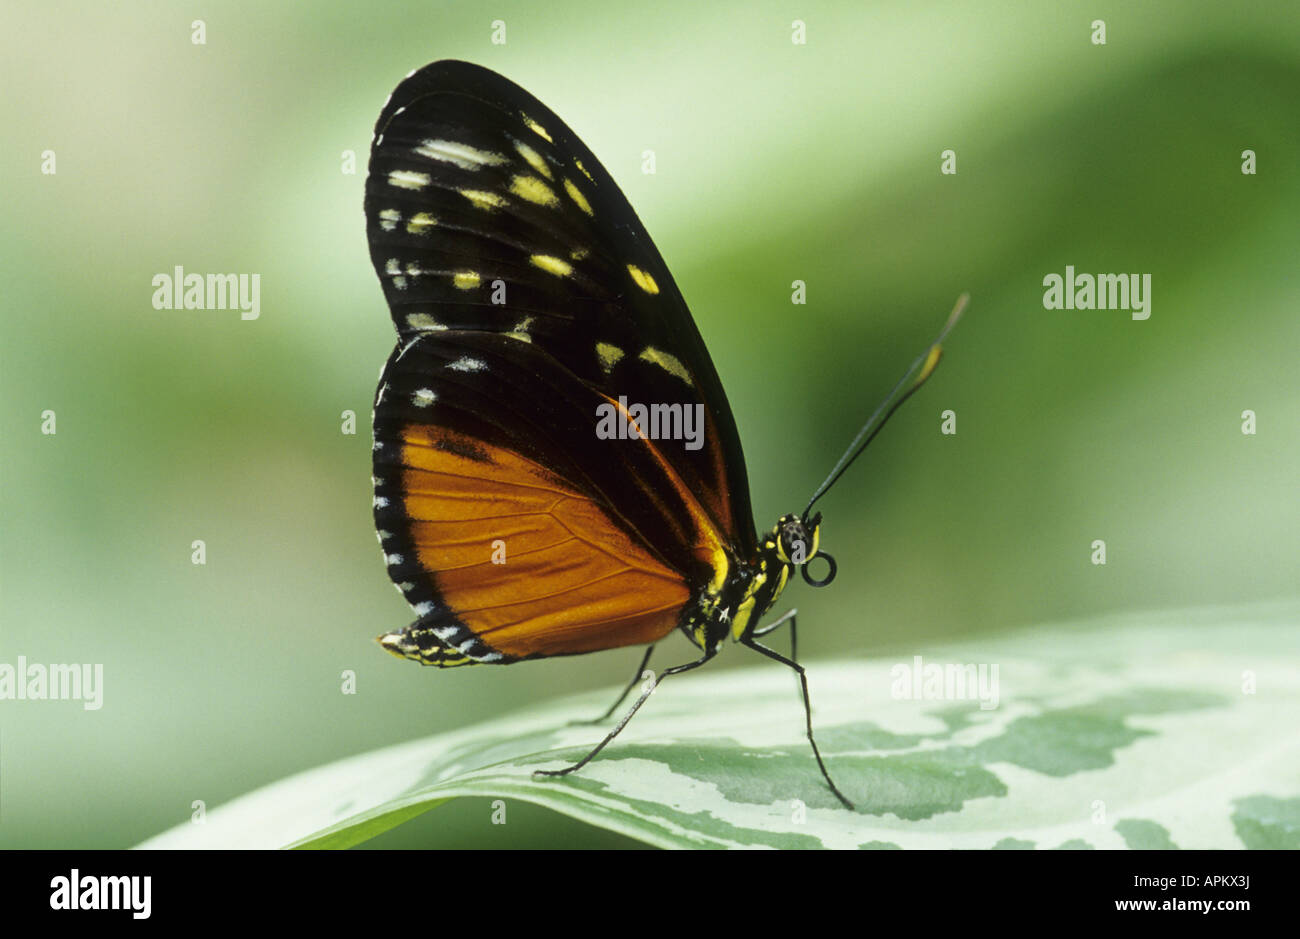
x: 485, y: 213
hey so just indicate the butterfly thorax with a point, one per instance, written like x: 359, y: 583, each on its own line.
x: 735, y: 602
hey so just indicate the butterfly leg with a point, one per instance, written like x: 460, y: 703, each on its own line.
x: 675, y: 670
x: 636, y: 677
x: 749, y: 642
x: 794, y: 636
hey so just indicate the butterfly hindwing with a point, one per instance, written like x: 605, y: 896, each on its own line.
x: 504, y: 542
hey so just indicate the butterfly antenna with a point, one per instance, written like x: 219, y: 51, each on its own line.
x: 920, y: 369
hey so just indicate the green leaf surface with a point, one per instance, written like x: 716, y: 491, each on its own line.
x: 1153, y: 730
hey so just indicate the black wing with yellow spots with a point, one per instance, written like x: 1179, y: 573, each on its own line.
x: 526, y: 294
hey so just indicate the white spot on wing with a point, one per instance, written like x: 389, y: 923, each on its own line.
x: 408, y: 179
x: 467, y: 364
x: 423, y: 321
x: 533, y: 159
x: 459, y: 154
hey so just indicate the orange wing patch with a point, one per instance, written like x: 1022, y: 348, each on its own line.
x: 571, y: 581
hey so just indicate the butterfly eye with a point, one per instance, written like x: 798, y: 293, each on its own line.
x: 795, y: 545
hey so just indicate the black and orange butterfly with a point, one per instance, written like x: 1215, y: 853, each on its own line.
x: 531, y: 305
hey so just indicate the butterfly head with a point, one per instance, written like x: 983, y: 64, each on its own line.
x: 794, y: 539
x: 795, y: 542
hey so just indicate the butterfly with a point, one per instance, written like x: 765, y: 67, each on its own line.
x: 557, y: 470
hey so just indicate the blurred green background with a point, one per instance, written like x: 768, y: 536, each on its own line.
x: 775, y: 162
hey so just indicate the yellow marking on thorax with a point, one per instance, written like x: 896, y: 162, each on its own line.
x: 743, y: 613
x: 745, y: 609
x: 534, y: 190
x: 667, y: 361
x: 643, y: 280
x: 483, y: 199
x: 552, y: 265
x: 578, y: 198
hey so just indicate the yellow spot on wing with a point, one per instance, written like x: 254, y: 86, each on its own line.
x: 408, y: 179
x: 459, y: 154
x: 465, y: 280
x: 388, y: 219
x: 551, y: 265
x: 483, y: 199
x: 609, y: 355
x: 419, y: 222
x: 582, y: 169
x: 534, y: 159
x: 534, y: 190
x: 520, y: 331
x: 667, y: 361
x: 537, y: 128
x: 576, y: 195
x: 643, y: 280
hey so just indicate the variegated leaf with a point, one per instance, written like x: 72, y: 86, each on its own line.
x: 1154, y: 730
